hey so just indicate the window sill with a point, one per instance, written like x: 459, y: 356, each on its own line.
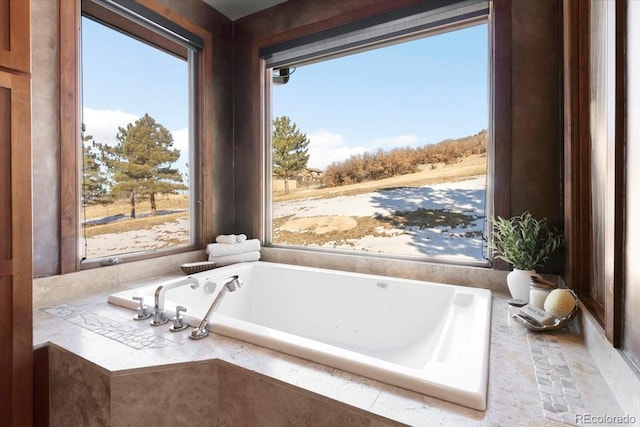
x: 474, y: 276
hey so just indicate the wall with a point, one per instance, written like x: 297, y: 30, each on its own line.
x: 211, y: 393
x: 536, y: 143
x: 46, y: 119
x: 533, y: 111
x: 45, y: 123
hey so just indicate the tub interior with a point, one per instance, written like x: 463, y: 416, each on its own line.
x: 410, y: 325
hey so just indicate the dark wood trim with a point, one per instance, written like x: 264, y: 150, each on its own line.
x: 501, y: 82
x: 502, y: 106
x: 69, y: 135
x: 576, y: 152
x: 614, y: 292
x: 577, y: 164
x: 577, y: 148
x: 133, y: 29
x: 70, y: 12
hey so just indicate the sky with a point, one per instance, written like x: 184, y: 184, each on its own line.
x: 122, y: 79
x: 409, y: 94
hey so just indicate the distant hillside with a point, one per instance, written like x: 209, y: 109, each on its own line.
x: 400, y: 161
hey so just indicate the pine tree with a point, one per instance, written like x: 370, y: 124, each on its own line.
x: 141, y: 162
x: 95, y: 182
x: 290, y: 150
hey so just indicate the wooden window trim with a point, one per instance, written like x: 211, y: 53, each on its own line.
x: 499, y: 163
x: 577, y: 165
x: 500, y: 74
x: 70, y: 255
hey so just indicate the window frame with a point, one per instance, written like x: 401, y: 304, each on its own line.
x: 491, y: 207
x: 580, y: 258
x: 71, y: 144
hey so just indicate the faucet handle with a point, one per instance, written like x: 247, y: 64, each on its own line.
x: 178, y: 324
x: 142, y: 309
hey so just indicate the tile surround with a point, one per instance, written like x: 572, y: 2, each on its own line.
x: 123, y: 333
x: 514, y: 393
x: 559, y: 393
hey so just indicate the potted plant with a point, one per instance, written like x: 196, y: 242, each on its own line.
x: 526, y: 243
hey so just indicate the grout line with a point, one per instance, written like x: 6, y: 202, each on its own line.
x: 126, y: 334
x: 560, y: 396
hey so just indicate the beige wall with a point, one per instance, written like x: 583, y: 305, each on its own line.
x: 45, y: 132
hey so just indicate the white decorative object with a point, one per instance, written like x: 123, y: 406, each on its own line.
x: 560, y: 302
x: 518, y: 283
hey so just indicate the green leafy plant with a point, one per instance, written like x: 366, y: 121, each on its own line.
x: 524, y: 241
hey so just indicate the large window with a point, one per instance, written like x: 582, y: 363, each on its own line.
x: 137, y: 138
x: 384, y: 150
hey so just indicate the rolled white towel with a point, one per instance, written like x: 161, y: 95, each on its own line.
x: 224, y: 249
x: 231, y: 238
x: 236, y: 258
x: 226, y: 238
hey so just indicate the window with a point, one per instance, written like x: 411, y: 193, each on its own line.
x: 137, y: 136
x: 380, y: 145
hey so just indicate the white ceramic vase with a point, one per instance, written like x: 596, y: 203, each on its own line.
x: 518, y: 283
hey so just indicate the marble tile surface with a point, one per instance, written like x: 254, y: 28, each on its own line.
x: 513, y: 391
x: 173, y: 396
x: 79, y: 391
x: 248, y: 399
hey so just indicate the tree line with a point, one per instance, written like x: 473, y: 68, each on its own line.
x: 138, y: 167
x: 399, y: 161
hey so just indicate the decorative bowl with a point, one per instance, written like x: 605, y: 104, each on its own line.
x: 197, y: 267
x: 559, y: 323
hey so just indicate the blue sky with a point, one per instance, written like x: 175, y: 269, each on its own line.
x: 122, y: 79
x: 410, y: 94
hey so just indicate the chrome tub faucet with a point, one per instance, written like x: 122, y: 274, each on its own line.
x: 158, y: 317
x: 230, y: 285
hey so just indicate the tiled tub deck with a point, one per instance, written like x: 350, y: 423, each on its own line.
x: 116, y: 371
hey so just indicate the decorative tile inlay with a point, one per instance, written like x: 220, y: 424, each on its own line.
x: 125, y: 334
x: 560, y: 396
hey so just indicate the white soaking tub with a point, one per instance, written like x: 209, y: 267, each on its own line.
x: 427, y: 337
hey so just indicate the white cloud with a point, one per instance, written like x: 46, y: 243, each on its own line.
x: 103, y: 124
x: 326, y: 147
x: 394, y: 142
x: 181, y: 140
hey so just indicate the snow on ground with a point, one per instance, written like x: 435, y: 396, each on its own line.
x: 156, y: 237
x: 460, y: 243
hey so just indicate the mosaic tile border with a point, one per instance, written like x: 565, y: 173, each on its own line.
x: 128, y: 335
x: 559, y: 393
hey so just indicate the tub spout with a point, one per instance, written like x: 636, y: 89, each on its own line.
x: 229, y: 285
x: 158, y: 317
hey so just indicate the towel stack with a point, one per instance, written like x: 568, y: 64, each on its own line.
x: 233, y: 248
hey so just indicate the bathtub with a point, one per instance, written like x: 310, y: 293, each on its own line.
x: 427, y: 337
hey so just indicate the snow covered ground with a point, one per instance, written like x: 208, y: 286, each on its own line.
x: 460, y: 243
x: 336, y: 213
